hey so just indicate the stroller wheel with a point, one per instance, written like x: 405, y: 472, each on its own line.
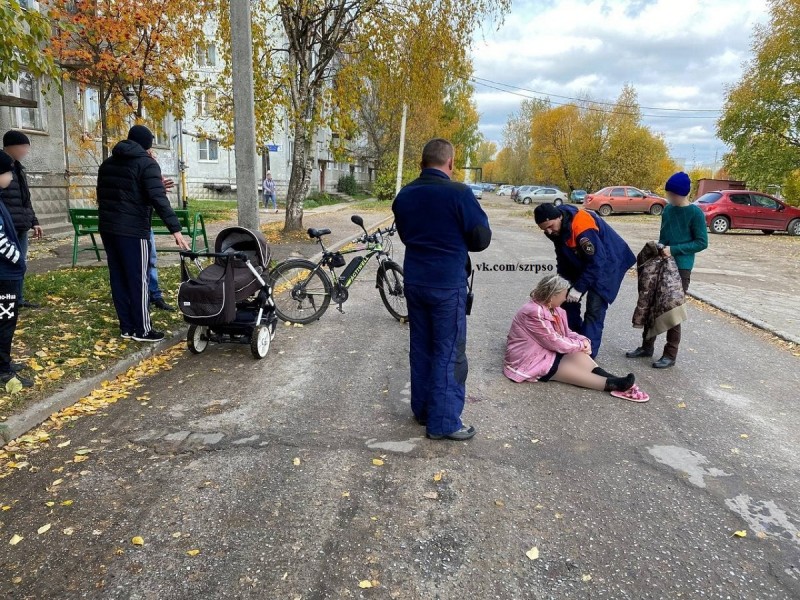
x: 197, y: 338
x: 259, y: 341
x: 273, y: 326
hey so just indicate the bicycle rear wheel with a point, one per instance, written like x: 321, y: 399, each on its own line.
x: 390, y: 286
x: 301, y: 292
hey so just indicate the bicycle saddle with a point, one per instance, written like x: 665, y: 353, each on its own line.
x: 317, y: 233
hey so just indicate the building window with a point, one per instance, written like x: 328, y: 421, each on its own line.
x: 27, y: 88
x: 90, y: 99
x: 205, y: 103
x: 207, y: 150
x: 206, y: 54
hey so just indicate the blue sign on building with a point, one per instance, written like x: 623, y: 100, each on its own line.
x: 273, y: 147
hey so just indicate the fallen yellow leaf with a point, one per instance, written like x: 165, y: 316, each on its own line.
x: 49, y: 503
x: 431, y: 495
x: 296, y: 462
x: 67, y: 503
x: 586, y: 578
x: 533, y: 553
x: 43, y: 529
x: 377, y: 462
x: 63, y: 444
x: 193, y: 552
x: 744, y: 436
x: 137, y: 541
x: 79, y: 459
x: 365, y: 584
x: 682, y: 405
x: 177, y: 534
x: 57, y: 482
x: 742, y: 533
x: 499, y: 503
x: 16, y: 580
x: 82, y: 451
x: 6, y: 507
x: 69, y: 531
x: 438, y: 476
x: 345, y: 494
x: 16, y: 540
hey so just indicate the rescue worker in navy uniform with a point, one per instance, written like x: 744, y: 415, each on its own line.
x: 592, y: 257
x: 439, y: 222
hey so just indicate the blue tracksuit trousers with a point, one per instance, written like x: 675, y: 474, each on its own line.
x: 592, y: 322
x: 438, y: 359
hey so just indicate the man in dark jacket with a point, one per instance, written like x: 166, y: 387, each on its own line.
x: 129, y: 187
x: 17, y: 198
x: 592, y: 257
x: 439, y: 222
x: 12, y: 270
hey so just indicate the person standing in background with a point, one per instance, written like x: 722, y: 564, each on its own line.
x: 683, y: 234
x: 17, y: 197
x: 12, y: 270
x: 269, y: 191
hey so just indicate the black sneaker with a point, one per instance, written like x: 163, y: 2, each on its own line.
x: 462, y: 435
x: 125, y: 335
x: 6, y: 377
x: 161, y: 305
x: 150, y: 336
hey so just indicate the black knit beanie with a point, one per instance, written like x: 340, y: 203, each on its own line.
x: 15, y: 138
x: 142, y: 136
x: 546, y: 212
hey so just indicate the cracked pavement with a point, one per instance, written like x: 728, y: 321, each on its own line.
x: 302, y: 475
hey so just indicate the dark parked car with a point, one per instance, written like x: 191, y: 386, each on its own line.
x: 743, y: 209
x: 577, y: 196
x: 521, y: 192
x: 624, y: 198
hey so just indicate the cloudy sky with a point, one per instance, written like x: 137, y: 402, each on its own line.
x: 676, y: 53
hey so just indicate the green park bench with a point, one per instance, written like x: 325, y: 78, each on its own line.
x: 85, y: 222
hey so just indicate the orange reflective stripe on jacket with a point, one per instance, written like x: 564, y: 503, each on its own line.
x: 581, y: 222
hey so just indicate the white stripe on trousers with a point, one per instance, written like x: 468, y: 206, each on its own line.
x: 145, y: 249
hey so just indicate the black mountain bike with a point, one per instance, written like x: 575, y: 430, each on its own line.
x: 302, y: 290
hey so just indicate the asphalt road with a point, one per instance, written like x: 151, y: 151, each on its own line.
x: 620, y: 500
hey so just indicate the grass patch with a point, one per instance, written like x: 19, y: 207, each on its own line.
x: 213, y: 210
x: 372, y: 204
x: 75, y: 333
x: 318, y: 199
x: 362, y: 196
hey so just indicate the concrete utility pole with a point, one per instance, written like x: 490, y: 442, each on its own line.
x: 244, y: 118
x: 402, y: 151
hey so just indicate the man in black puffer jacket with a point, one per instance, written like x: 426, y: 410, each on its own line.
x: 17, y: 198
x: 129, y: 187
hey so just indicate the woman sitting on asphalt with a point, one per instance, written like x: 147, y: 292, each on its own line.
x: 541, y: 347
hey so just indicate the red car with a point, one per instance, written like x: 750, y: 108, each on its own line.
x: 742, y: 209
x: 624, y: 198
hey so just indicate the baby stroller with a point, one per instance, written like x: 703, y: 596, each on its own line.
x: 229, y: 301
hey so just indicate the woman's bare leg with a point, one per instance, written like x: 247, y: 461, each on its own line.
x: 576, y: 369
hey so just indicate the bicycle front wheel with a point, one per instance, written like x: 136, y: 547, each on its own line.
x: 390, y: 285
x: 301, y: 292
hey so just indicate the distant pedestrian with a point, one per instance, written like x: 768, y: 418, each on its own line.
x: 12, y: 270
x: 129, y: 187
x: 683, y: 234
x: 269, y: 192
x: 592, y: 257
x: 542, y: 347
x: 17, y: 198
x: 439, y: 221
x: 155, y: 294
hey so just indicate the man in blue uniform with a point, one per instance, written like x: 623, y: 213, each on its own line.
x: 592, y: 257
x: 439, y: 222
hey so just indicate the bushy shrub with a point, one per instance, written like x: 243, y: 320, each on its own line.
x: 347, y: 184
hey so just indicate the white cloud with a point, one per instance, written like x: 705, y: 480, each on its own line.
x: 676, y: 53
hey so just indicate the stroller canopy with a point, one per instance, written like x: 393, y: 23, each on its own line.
x: 240, y: 239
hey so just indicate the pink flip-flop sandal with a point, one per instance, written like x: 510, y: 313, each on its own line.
x: 634, y: 394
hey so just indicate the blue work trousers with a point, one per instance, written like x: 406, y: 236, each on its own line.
x: 438, y: 359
